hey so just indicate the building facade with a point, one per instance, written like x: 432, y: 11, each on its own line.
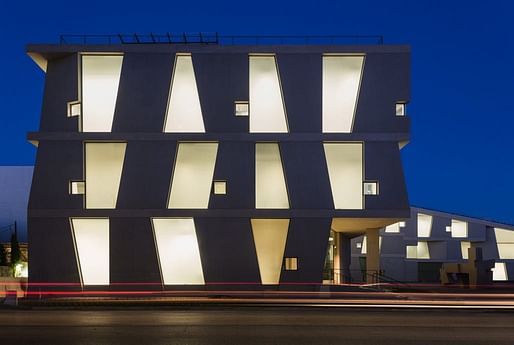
x: 432, y: 245
x: 164, y: 165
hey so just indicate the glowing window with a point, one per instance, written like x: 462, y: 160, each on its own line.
x: 505, y: 243
x: 459, y: 228
x: 401, y: 109
x: 499, y: 271
x: 393, y: 228
x: 192, y: 176
x: 270, y: 185
x: 100, y: 81
x: 358, y: 245
x: 77, y: 187
x: 464, y: 246
x: 364, y: 247
x: 291, y: 264
x: 448, y: 228
x: 370, y: 188
x: 178, y: 251
x: 184, y: 113
x: 241, y: 108
x: 73, y: 109
x: 424, y: 225
x: 341, y: 84
x: 267, y: 110
x: 104, y: 165
x: 91, y: 236
x: 420, y: 251
x: 220, y: 187
x: 270, y: 237
x: 402, y: 224
x: 345, y: 170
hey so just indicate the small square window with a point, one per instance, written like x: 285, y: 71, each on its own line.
x: 220, y: 187
x: 448, y: 228
x: 370, y: 188
x: 401, y: 109
x: 241, y: 108
x: 73, y: 109
x: 77, y: 187
x: 402, y: 224
x: 358, y: 245
x: 291, y: 264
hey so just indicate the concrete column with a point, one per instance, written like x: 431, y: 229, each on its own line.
x: 345, y: 257
x: 373, y: 254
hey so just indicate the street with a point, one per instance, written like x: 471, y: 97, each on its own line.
x: 255, y: 325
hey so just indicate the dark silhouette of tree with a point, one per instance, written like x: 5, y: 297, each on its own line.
x: 3, y: 256
x: 15, y: 247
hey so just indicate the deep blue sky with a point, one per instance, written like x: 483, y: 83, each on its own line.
x: 460, y: 158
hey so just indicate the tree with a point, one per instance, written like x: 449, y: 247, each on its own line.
x: 3, y: 256
x: 15, y: 247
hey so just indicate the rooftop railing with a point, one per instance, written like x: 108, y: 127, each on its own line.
x: 215, y: 38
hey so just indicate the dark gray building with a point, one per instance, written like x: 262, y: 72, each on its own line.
x: 194, y: 164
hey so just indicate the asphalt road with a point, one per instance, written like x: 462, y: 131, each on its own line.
x: 256, y: 325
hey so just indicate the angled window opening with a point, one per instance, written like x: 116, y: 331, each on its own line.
x: 241, y: 108
x: 291, y: 264
x: 459, y: 229
x: 270, y: 183
x: 393, y: 228
x: 184, y: 112
x: 91, y: 240
x: 504, y: 243
x: 464, y: 248
x: 499, y: 272
x: 178, y: 252
x: 266, y: 105
x: 346, y: 172
x: 270, y: 241
x: 192, y: 176
x: 340, y: 91
x: 103, y: 170
x: 220, y: 187
x: 419, y: 251
x: 371, y: 188
x: 77, y: 187
x: 424, y: 225
x: 100, y: 82
x: 401, y: 109
x: 74, y: 108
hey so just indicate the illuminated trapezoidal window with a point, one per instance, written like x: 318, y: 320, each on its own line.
x: 499, y: 272
x: 341, y: 83
x: 459, y: 229
x: 420, y: 251
x: 104, y: 165
x: 91, y: 238
x: 77, y: 187
x: 291, y: 264
x: 371, y: 188
x: 270, y: 184
x: 448, y: 228
x: 424, y: 225
x: 364, y: 245
x: 505, y: 243
x: 192, y: 177
x: 345, y: 170
x: 401, y: 109
x: 267, y: 109
x: 220, y: 187
x: 100, y: 81
x: 73, y: 109
x: 178, y: 251
x: 241, y: 108
x: 184, y: 113
x: 464, y: 248
x: 393, y: 228
x: 270, y: 237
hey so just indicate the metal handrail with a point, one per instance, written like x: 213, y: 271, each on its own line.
x: 215, y: 38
